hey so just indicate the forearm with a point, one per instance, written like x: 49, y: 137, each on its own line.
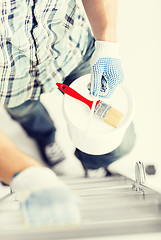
x: 102, y: 16
x: 12, y: 159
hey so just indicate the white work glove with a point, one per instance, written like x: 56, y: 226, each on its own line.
x: 106, y: 70
x: 44, y: 199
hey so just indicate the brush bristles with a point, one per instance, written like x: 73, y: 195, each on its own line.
x: 113, y: 117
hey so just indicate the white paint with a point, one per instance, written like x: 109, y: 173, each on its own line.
x: 78, y: 112
x: 103, y: 137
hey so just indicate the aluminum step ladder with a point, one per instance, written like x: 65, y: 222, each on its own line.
x: 112, y: 206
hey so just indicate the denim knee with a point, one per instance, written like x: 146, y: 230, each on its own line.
x: 24, y: 111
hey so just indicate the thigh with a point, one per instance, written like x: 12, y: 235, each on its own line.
x: 84, y: 66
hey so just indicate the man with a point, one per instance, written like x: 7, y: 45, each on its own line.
x: 44, y: 42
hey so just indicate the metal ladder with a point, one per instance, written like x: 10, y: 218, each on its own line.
x: 112, y: 206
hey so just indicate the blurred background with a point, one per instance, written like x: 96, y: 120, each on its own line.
x: 139, y: 34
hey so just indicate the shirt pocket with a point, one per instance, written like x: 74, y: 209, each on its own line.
x: 15, y: 34
x: 54, y: 19
x: 16, y: 23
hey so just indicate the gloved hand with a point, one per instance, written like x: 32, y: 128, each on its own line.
x: 106, y: 70
x: 44, y: 199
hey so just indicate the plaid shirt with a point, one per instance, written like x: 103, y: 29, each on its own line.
x: 42, y: 41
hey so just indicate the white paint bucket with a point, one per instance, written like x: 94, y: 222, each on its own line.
x: 103, y: 138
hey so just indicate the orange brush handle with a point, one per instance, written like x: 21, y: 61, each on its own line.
x: 71, y: 92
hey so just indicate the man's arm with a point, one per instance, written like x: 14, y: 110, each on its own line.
x: 43, y: 198
x: 105, y: 63
x: 12, y: 159
x: 102, y: 16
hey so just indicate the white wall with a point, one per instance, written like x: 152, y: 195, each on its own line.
x: 139, y: 34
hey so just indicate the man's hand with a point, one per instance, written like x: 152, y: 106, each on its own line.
x: 105, y: 63
x: 106, y: 70
x: 44, y: 199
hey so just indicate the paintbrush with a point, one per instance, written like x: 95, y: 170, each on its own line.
x: 103, y: 110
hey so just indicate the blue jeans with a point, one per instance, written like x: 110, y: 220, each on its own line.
x: 36, y: 121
